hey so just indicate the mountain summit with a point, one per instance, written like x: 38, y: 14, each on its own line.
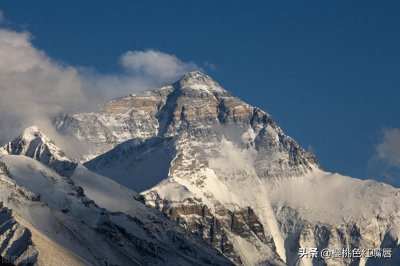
x: 199, y: 81
x: 195, y: 105
x: 226, y: 172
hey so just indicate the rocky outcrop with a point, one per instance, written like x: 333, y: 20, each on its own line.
x: 217, y: 228
x: 16, y: 245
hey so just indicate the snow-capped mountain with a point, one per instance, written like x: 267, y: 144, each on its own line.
x: 218, y: 167
x: 81, y: 218
x: 33, y: 143
x: 225, y: 171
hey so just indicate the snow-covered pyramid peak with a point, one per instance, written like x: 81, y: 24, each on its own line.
x: 35, y: 144
x: 197, y: 80
x: 28, y: 142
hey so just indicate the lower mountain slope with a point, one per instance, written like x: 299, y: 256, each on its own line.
x: 86, y: 219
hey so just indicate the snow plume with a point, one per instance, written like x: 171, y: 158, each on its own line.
x: 386, y: 160
x: 234, y: 165
x: 233, y: 159
x: 34, y: 88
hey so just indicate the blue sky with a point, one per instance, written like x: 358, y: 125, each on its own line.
x: 327, y: 71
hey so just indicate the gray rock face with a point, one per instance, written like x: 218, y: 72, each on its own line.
x: 217, y: 228
x: 122, y: 119
x: 226, y: 172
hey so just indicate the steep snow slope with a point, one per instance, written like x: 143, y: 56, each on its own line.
x: 107, y: 193
x: 129, y: 165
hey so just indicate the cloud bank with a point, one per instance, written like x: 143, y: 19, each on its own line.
x: 35, y: 87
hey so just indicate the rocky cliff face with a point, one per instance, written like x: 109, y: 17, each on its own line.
x: 226, y: 172
x: 122, y: 119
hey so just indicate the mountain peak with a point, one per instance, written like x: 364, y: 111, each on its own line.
x: 32, y: 136
x: 31, y: 132
x: 34, y: 144
x: 196, y: 75
x: 197, y: 80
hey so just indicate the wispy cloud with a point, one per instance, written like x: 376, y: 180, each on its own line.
x: 2, y: 17
x: 157, y: 64
x: 210, y: 66
x: 389, y: 148
x: 142, y: 70
x: 386, y: 160
x: 34, y: 87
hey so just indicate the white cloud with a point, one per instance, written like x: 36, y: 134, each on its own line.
x: 108, y: 86
x: 33, y: 87
x: 142, y: 70
x: 157, y: 64
x: 389, y: 148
